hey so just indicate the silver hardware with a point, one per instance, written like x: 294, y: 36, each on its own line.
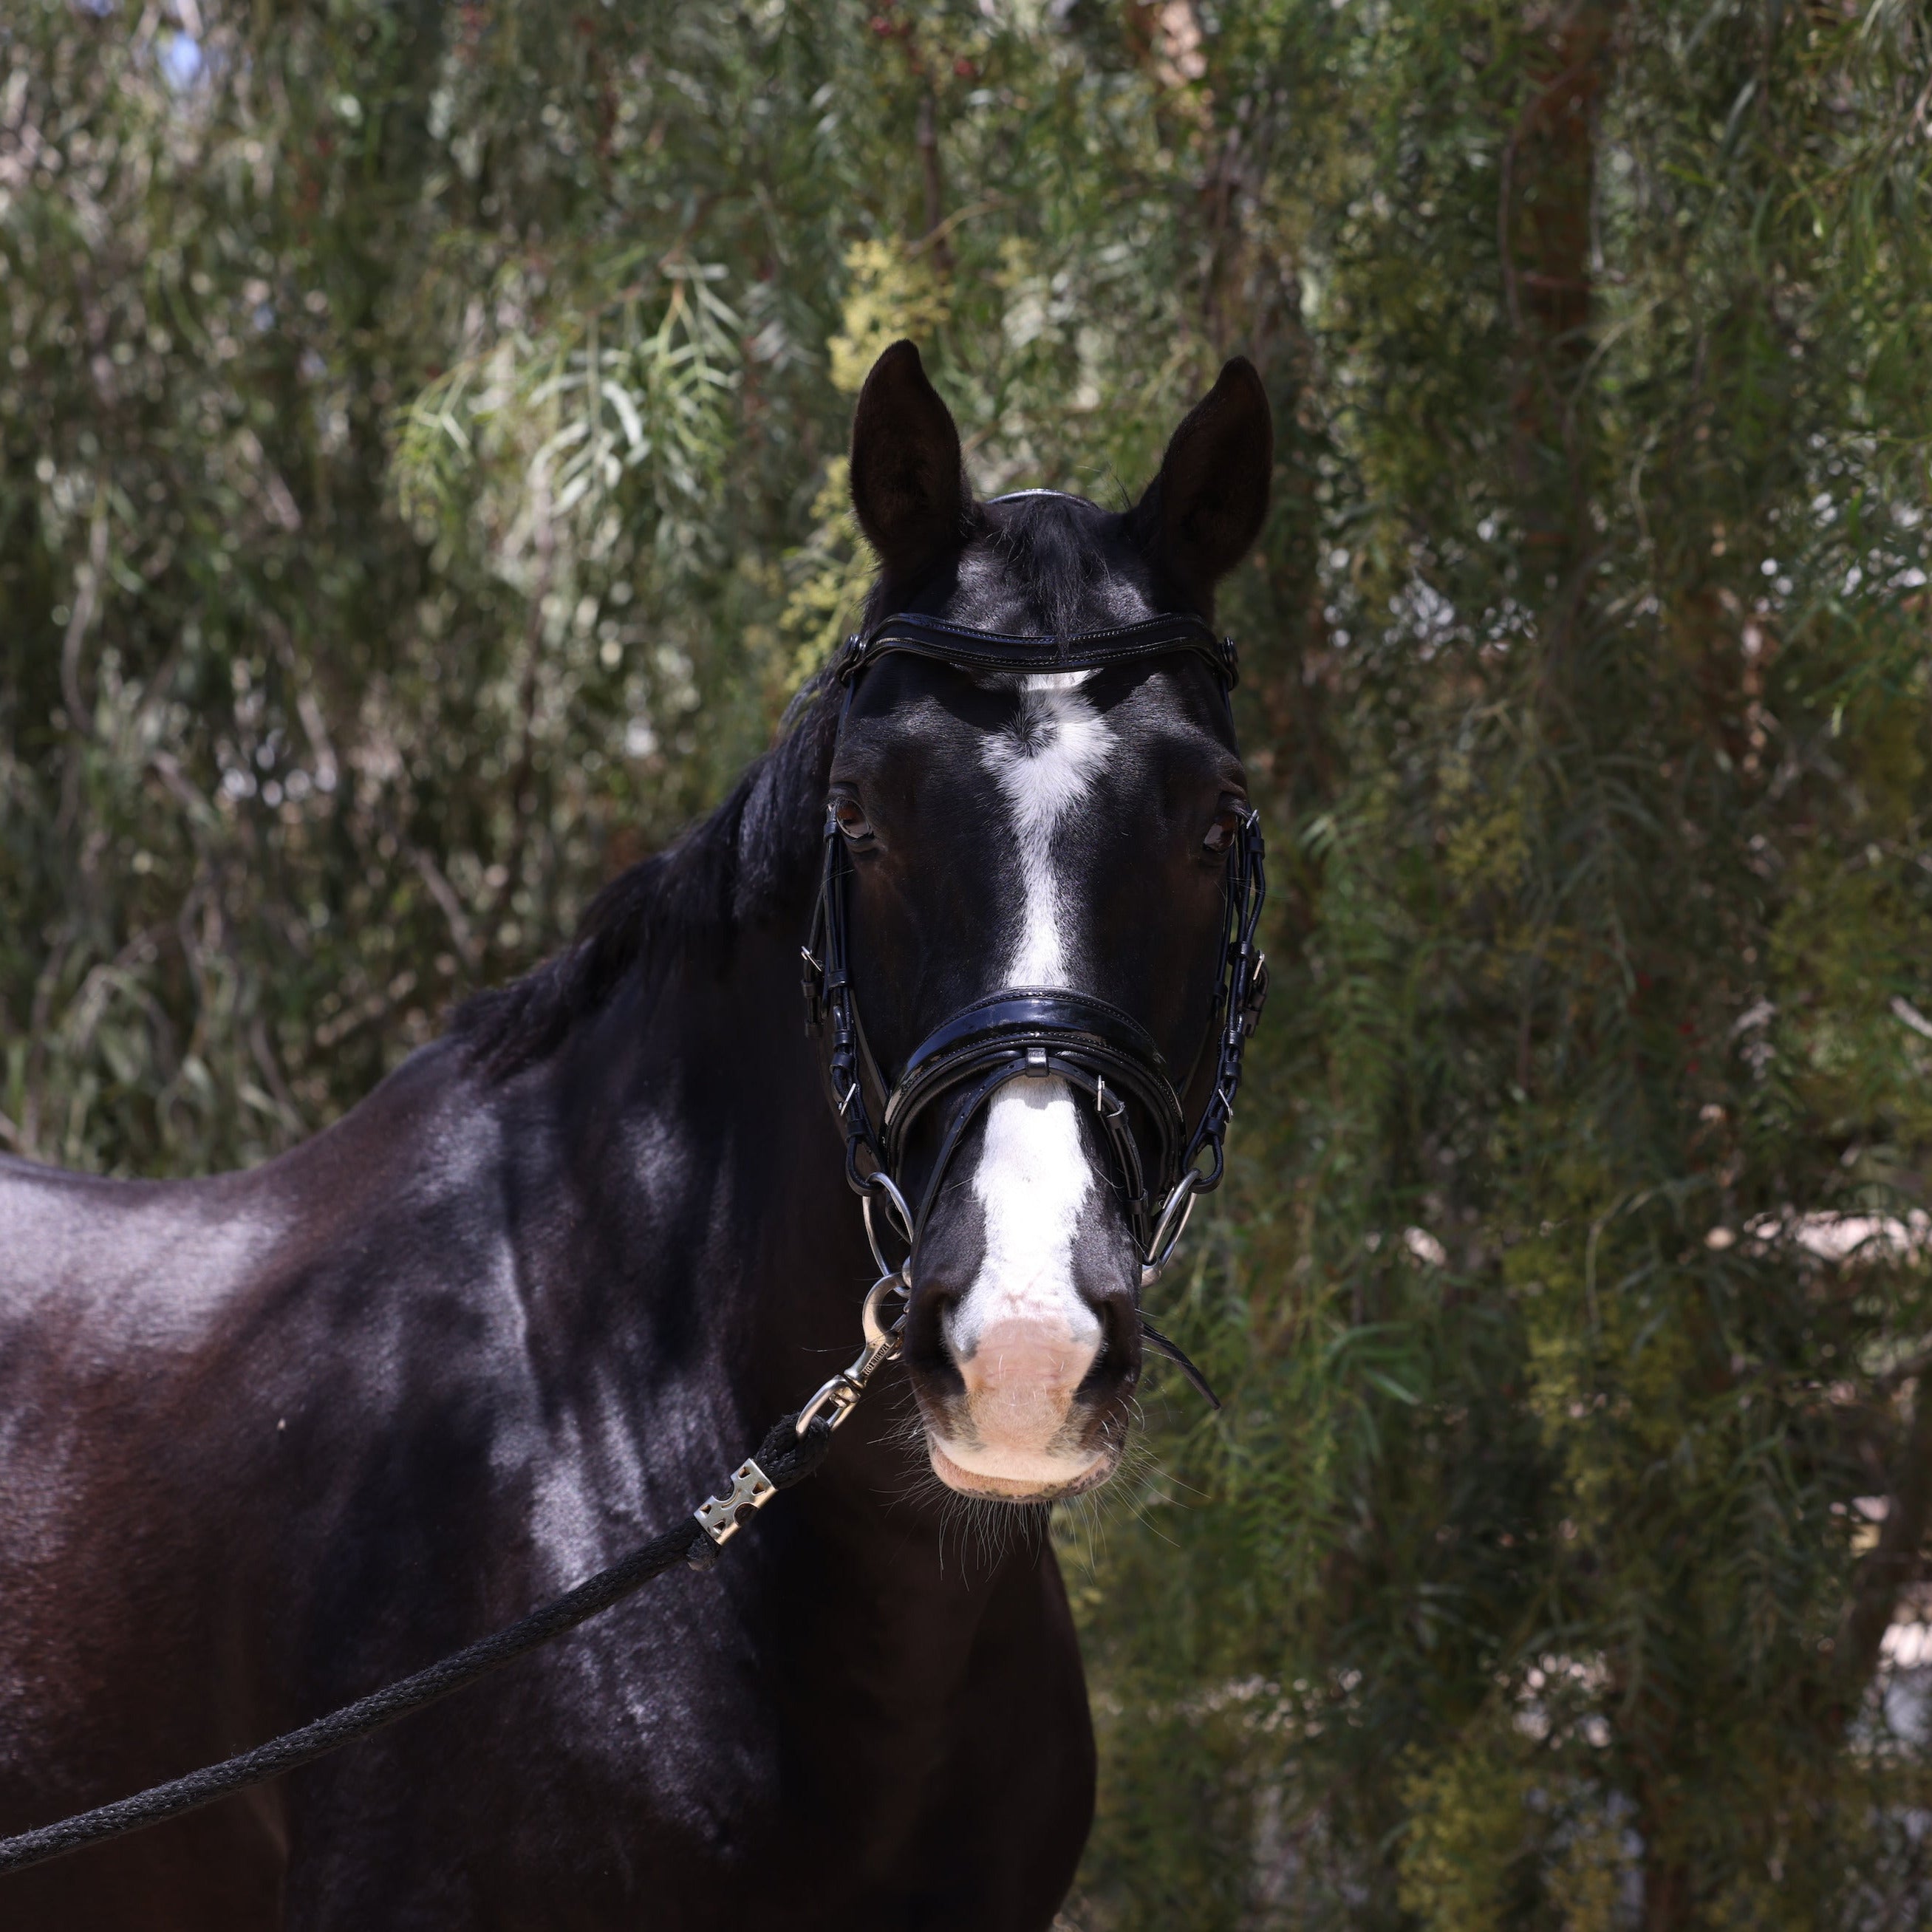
x: 723, y: 1516
x: 876, y: 1332
x: 1036, y: 1062
x: 1175, y: 1215
x: 1258, y: 987
x: 841, y: 1392
x: 886, y: 1186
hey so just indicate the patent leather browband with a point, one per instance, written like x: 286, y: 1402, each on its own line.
x: 990, y: 651
x: 1017, y: 1032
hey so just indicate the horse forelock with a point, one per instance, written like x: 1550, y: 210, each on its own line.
x: 1043, y: 562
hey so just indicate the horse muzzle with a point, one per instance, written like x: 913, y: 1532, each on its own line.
x: 1022, y: 1332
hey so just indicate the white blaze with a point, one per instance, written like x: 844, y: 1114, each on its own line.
x: 1045, y: 764
x: 1021, y: 1333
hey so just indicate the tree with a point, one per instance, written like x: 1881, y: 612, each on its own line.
x: 420, y: 484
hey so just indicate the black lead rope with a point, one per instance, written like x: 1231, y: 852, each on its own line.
x: 785, y: 1457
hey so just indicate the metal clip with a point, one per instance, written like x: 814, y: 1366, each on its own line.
x: 723, y: 1516
x: 879, y: 1338
x: 1036, y: 1062
x: 841, y: 1392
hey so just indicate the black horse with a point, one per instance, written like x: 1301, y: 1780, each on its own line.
x: 271, y: 1440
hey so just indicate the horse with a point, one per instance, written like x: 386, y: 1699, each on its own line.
x: 271, y: 1439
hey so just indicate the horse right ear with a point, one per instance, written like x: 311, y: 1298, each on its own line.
x: 908, y: 481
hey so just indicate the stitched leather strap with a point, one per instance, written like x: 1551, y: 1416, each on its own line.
x: 1044, y: 1032
x: 993, y: 651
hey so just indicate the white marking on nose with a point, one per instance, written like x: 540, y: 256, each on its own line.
x: 1032, y: 1179
x: 1022, y: 1334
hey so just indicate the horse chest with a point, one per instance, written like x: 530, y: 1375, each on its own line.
x: 695, y: 1762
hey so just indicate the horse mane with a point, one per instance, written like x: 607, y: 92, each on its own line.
x: 745, y: 862
x: 750, y: 857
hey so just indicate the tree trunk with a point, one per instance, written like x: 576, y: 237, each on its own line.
x: 1544, y: 222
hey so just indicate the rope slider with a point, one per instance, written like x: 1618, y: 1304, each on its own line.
x: 721, y: 1517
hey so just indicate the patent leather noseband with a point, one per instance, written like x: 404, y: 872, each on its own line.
x: 1018, y: 1033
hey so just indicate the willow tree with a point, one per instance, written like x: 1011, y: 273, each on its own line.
x: 421, y: 447
x: 1576, y: 1307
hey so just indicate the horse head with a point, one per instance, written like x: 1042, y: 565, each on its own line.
x: 1014, y: 838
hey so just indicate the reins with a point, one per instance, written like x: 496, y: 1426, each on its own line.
x: 1015, y: 1032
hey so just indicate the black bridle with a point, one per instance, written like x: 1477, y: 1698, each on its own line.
x: 1020, y: 1032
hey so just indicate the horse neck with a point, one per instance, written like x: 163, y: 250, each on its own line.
x: 713, y: 1239
x: 711, y: 1187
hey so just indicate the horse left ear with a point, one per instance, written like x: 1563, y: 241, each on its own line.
x: 1203, y: 511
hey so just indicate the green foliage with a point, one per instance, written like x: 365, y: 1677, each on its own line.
x: 421, y: 484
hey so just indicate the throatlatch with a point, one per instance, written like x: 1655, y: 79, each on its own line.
x: 1018, y: 1033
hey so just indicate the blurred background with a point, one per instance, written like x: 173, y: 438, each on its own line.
x: 422, y: 486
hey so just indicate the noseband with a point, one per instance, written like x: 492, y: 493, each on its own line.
x: 1018, y: 1033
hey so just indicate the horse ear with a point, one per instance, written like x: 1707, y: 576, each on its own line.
x: 908, y: 482
x: 1206, y: 507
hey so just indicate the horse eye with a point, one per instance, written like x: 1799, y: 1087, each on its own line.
x: 1221, y: 833
x: 852, y: 821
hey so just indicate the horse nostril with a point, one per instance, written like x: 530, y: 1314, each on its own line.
x: 1118, y: 1357
x: 925, y: 1347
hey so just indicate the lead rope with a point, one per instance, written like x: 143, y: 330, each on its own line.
x: 792, y: 1449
